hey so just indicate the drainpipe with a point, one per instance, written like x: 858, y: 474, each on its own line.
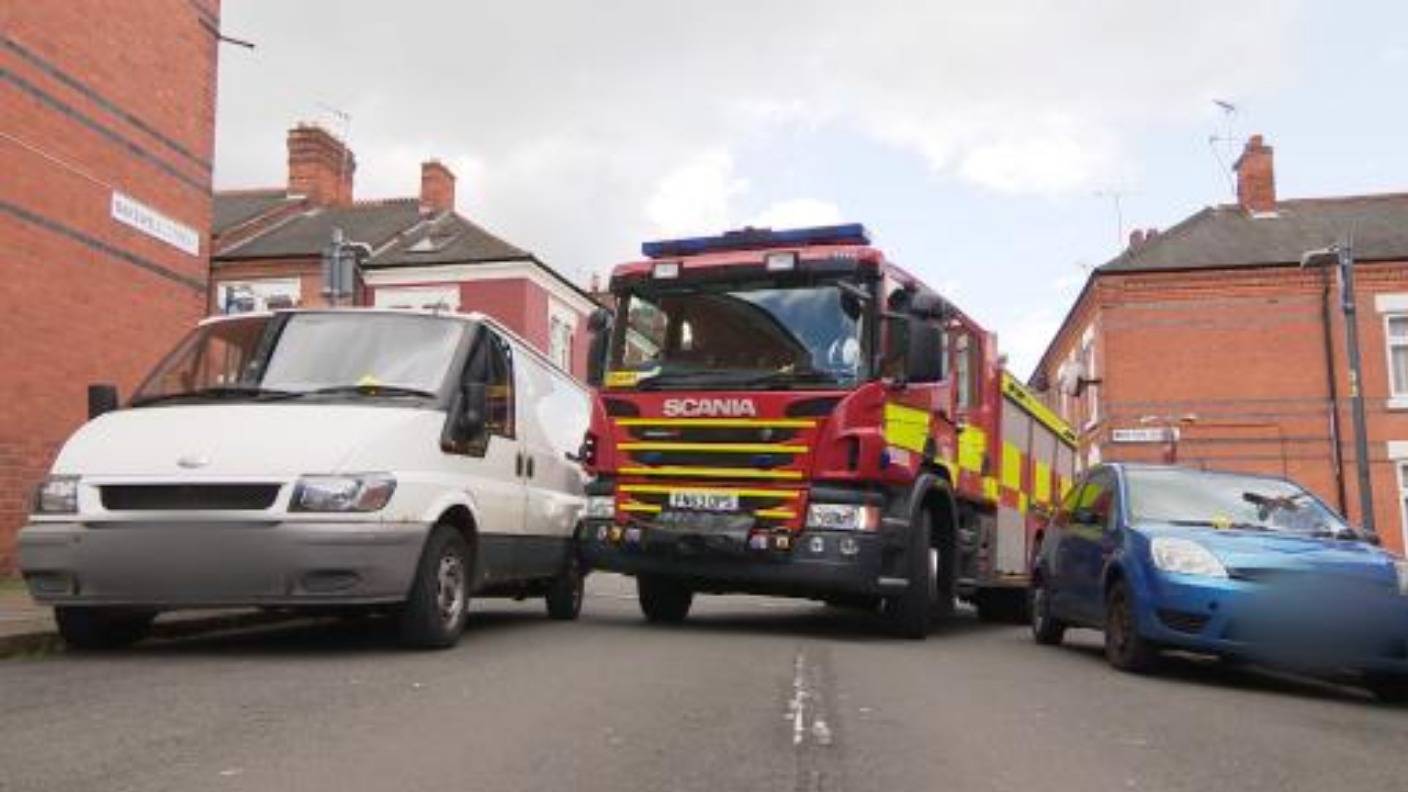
x: 1336, y: 451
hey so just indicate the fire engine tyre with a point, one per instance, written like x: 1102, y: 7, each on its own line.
x: 663, y: 600
x: 92, y: 629
x: 1047, y: 630
x: 912, y: 613
x: 1002, y: 606
x: 433, y: 615
x: 1388, y: 688
x: 1125, y: 648
x: 564, y: 599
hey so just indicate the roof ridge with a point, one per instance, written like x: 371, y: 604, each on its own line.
x: 1160, y: 237
x: 382, y: 202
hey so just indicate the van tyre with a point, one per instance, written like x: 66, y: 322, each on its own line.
x: 434, y: 613
x: 564, y: 599
x: 1047, y: 630
x: 663, y: 600
x: 911, y: 614
x: 1125, y: 648
x: 94, y: 629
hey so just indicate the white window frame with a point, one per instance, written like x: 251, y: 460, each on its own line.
x: 261, y: 290
x: 1086, y: 355
x: 1390, y: 307
x: 446, y: 298
x: 560, y: 315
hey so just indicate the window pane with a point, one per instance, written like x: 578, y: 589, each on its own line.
x: 1398, y: 327
x: 1400, y: 370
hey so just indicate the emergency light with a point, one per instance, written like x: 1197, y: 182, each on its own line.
x: 753, y: 238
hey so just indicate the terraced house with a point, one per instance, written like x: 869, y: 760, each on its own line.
x: 1210, y: 344
x: 413, y: 252
x: 105, y: 199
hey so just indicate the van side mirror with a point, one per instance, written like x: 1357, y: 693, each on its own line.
x: 102, y: 398
x: 599, y: 324
x: 466, y: 430
x: 924, y: 357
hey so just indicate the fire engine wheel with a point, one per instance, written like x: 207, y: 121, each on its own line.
x: 564, y: 599
x: 1002, y: 606
x: 911, y: 614
x: 663, y: 600
x: 433, y: 615
x: 98, y: 628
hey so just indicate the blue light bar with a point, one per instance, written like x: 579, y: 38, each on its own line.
x: 753, y: 238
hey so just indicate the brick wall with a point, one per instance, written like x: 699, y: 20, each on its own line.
x: 84, y: 297
x: 1244, y: 352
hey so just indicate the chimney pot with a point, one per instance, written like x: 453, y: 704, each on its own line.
x: 320, y: 166
x: 437, y: 187
x: 1136, y: 238
x: 1256, y: 177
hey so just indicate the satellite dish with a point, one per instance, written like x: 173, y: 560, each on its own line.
x: 1071, y: 379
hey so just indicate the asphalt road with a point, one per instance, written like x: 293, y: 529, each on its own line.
x: 751, y: 694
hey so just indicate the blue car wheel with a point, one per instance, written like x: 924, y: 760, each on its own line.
x: 1125, y: 648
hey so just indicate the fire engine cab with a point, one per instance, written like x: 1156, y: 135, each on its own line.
x: 790, y: 413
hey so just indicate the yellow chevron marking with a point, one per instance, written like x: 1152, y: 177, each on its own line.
x: 660, y: 489
x: 990, y: 488
x: 972, y: 447
x: 1041, y: 488
x: 759, y: 448
x: 705, y: 472
x: 1011, y: 466
x: 1024, y: 398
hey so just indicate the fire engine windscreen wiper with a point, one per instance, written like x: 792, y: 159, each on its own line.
x: 369, y: 389
x: 219, y: 392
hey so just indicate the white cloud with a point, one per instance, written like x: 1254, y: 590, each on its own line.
x: 696, y: 197
x: 798, y: 213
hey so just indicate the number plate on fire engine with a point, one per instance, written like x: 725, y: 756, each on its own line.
x: 704, y: 501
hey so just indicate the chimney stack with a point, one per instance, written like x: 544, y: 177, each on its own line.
x: 437, y: 187
x: 1256, y: 178
x: 320, y: 166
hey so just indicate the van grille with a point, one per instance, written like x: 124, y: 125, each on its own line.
x: 189, y: 497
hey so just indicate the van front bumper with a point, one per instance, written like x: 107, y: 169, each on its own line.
x: 193, y: 564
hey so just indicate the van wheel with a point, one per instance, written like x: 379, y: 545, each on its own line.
x: 911, y: 614
x: 434, y: 613
x: 564, y: 599
x: 663, y: 600
x: 1125, y: 648
x: 99, y: 628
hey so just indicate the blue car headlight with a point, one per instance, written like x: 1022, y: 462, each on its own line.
x: 1185, y: 557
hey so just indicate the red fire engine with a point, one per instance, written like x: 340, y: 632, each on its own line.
x: 789, y: 413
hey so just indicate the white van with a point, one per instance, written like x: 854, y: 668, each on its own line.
x: 395, y: 460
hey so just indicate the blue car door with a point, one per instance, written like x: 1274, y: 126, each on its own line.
x: 1057, y: 550
x: 1089, y: 542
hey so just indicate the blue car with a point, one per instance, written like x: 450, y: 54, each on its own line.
x: 1240, y: 566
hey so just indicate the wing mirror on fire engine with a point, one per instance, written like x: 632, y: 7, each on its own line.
x: 599, y: 324
x: 924, y: 358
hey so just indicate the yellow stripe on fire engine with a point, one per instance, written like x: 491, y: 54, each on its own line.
x: 757, y: 448
x: 662, y: 489
x: 1013, y: 390
x: 906, y: 427
x: 708, y: 472
x: 775, y: 423
x: 775, y: 514
x: 1011, y: 466
x: 972, y: 447
x: 639, y: 507
x: 1041, y: 488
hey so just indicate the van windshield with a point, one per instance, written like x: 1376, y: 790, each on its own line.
x: 286, y: 356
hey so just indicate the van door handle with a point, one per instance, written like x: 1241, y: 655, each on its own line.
x: 530, y: 465
x: 518, y: 465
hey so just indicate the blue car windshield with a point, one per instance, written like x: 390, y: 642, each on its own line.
x: 1222, y: 500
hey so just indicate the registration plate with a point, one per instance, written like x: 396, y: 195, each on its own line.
x: 704, y: 501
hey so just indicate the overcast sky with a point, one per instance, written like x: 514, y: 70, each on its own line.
x: 985, y: 144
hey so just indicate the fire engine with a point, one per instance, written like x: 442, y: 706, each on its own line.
x: 790, y: 413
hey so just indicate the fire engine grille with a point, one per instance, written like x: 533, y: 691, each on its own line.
x: 188, y: 497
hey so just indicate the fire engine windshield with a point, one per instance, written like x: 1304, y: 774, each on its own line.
x: 743, y: 337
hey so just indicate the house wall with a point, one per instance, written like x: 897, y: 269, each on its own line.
x: 87, y: 298
x: 1241, y: 352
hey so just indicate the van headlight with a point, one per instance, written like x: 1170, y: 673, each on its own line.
x: 600, y: 507
x: 1185, y: 557
x: 57, y: 495
x: 368, y: 492
x: 842, y: 517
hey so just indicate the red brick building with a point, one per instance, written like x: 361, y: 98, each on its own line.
x: 106, y: 142
x: 1209, y: 343
x: 420, y: 252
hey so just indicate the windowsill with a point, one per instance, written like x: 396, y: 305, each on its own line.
x: 1398, y: 403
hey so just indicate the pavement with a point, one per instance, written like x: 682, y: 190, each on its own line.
x: 749, y: 694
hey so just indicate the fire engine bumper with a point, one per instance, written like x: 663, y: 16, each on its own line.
x: 814, y: 564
